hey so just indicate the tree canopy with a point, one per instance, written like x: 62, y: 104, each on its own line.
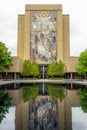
x: 52, y: 69
x: 82, y: 67
x: 26, y: 68
x: 5, y: 103
x: 30, y: 92
x: 82, y: 93
x: 55, y: 91
x: 30, y: 69
x: 35, y: 69
x: 55, y: 69
x: 60, y: 68
x: 5, y: 58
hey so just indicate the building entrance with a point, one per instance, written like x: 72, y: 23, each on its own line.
x: 43, y: 70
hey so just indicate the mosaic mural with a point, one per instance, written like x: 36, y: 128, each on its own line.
x: 43, y: 36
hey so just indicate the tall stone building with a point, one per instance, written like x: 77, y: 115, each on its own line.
x: 44, y: 37
x: 43, y: 34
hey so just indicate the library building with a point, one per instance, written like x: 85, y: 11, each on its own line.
x: 43, y: 37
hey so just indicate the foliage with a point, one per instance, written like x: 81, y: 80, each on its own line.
x: 60, y: 68
x: 30, y: 69
x: 5, y: 58
x: 82, y: 67
x: 35, y: 69
x: 56, y: 91
x: 30, y: 92
x: 5, y: 103
x: 51, y: 69
x: 82, y: 93
x: 26, y: 68
x: 55, y: 69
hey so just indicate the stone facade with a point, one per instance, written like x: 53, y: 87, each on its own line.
x: 62, y: 36
x: 71, y: 64
x: 17, y: 65
x: 62, y: 31
x: 27, y: 24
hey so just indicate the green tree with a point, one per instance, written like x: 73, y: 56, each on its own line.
x: 82, y: 67
x: 60, y: 68
x: 5, y: 58
x: 55, y: 69
x: 82, y: 93
x: 26, y: 68
x: 35, y: 71
x: 55, y: 91
x: 5, y: 103
x: 52, y: 69
x: 30, y: 69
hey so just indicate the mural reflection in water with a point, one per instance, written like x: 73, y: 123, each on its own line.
x: 65, y: 113
x: 43, y: 115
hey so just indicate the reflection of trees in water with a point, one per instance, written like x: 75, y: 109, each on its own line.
x: 56, y: 91
x: 43, y: 115
x: 82, y: 93
x: 5, y: 103
x: 30, y: 92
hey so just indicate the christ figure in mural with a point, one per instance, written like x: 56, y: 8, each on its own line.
x: 43, y: 21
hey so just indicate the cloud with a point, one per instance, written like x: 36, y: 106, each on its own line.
x: 8, y: 122
x: 76, y: 30
x: 79, y: 119
x: 79, y: 126
x: 10, y: 9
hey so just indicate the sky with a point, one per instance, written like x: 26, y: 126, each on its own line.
x: 8, y: 123
x: 79, y: 119
x: 77, y: 10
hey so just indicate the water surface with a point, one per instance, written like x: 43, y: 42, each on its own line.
x: 67, y: 106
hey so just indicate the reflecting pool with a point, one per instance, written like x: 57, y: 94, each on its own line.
x: 26, y: 107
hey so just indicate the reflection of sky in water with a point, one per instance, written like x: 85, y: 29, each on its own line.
x: 79, y: 119
x: 8, y: 122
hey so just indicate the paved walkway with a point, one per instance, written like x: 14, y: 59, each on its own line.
x: 73, y: 81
